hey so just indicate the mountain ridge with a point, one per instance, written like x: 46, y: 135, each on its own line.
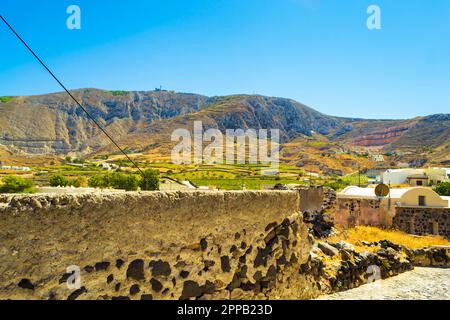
x: 143, y: 120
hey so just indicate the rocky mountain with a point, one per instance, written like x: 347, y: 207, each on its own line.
x: 143, y: 121
x: 53, y: 123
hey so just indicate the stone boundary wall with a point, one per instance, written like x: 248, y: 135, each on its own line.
x: 154, y: 245
x: 352, y: 212
x: 421, y: 221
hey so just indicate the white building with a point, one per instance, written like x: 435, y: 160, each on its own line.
x: 106, y: 166
x: 15, y: 168
x: 398, y: 176
x: 377, y: 157
x: 405, y: 176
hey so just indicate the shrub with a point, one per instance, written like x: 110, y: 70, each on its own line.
x: 5, y: 99
x: 98, y: 182
x: 78, y: 161
x: 118, y: 92
x: 79, y: 182
x: 443, y: 189
x: 123, y: 181
x: 58, y: 181
x: 13, y: 184
x: 151, y: 180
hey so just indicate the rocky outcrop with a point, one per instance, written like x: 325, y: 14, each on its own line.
x: 318, y: 205
x: 382, y: 138
x: 320, y: 224
x: 432, y: 257
x: 339, y: 266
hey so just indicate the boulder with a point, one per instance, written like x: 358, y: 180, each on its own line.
x: 342, y: 245
x: 328, y: 249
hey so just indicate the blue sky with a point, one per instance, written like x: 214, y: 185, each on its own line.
x: 318, y: 52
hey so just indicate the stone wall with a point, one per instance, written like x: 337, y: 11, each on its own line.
x: 311, y: 199
x: 423, y: 220
x: 369, y: 212
x: 329, y: 204
x: 154, y: 245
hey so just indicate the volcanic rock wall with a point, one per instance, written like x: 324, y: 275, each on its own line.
x: 154, y: 245
x: 423, y: 220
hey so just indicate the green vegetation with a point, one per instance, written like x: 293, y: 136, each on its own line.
x: 337, y: 185
x: 443, y: 189
x: 98, y: 182
x: 13, y: 184
x: 58, y: 180
x: 220, y: 176
x: 115, y: 180
x: 151, y: 180
x: 79, y: 182
x: 118, y: 92
x: 6, y: 99
x: 350, y: 180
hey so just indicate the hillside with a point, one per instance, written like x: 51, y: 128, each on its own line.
x: 142, y: 122
x: 53, y: 124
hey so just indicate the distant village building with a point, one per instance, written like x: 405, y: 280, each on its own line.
x: 377, y: 157
x: 15, y: 168
x: 106, y: 166
x: 416, y: 177
x: 418, y: 180
x: 81, y: 165
x: 398, y: 176
x: 403, y: 165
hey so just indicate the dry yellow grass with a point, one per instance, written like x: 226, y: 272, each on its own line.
x: 373, y: 234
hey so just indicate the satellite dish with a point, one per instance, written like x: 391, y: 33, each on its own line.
x: 382, y: 190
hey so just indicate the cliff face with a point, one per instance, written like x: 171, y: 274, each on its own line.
x: 380, y: 138
x: 53, y: 123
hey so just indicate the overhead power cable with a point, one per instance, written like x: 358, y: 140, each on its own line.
x: 70, y: 94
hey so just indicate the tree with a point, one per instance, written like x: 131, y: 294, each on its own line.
x: 13, y: 184
x: 78, y: 160
x: 58, y: 180
x: 122, y: 181
x: 443, y: 189
x: 127, y: 182
x: 97, y: 182
x: 79, y: 182
x: 151, y: 180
